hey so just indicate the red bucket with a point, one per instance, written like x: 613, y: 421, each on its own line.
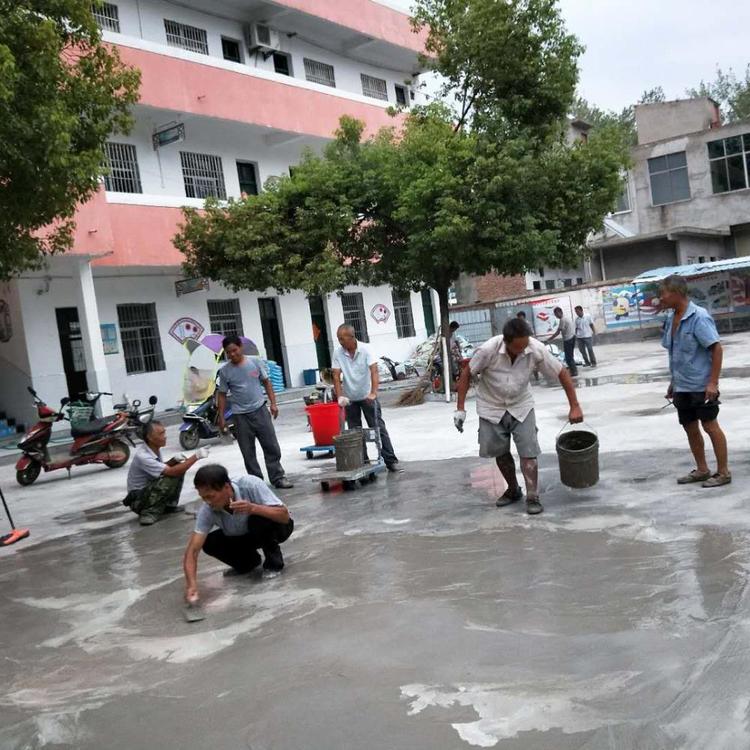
x: 325, y: 420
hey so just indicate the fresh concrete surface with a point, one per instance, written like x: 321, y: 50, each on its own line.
x: 412, y: 612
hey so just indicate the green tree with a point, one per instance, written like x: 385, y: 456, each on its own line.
x: 730, y: 92
x: 62, y: 93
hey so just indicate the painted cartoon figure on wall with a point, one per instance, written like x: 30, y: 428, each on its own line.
x: 186, y: 328
x: 380, y: 313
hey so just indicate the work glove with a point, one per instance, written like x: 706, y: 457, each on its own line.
x: 343, y: 401
x: 202, y: 453
x: 458, y: 419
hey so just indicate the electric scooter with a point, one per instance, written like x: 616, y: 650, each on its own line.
x: 99, y: 441
x: 200, y: 423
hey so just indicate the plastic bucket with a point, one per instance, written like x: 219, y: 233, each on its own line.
x: 578, y: 456
x: 309, y: 377
x: 349, y: 452
x: 325, y: 420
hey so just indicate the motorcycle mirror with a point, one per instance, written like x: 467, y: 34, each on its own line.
x: 152, y: 400
x: 64, y: 401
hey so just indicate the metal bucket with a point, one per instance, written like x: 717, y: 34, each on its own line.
x: 578, y: 456
x: 349, y: 451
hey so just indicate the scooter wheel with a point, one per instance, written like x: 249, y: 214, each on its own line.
x: 121, y: 453
x: 190, y: 439
x: 29, y: 475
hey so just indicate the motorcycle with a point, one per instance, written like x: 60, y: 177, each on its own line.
x: 199, y: 423
x: 96, y: 441
x: 83, y: 410
x: 400, y: 370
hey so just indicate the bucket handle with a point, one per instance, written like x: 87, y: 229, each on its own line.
x: 588, y: 427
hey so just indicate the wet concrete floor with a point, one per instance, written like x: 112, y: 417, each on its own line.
x: 412, y: 614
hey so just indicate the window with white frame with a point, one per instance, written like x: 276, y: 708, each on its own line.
x: 106, y: 16
x: 402, y: 96
x: 403, y: 314
x: 669, y: 178
x: 729, y: 159
x: 623, y: 200
x: 225, y: 317
x: 319, y: 72
x: 354, y: 314
x: 186, y: 37
x: 373, y: 87
x: 122, y: 163
x: 203, y: 175
x: 139, y: 333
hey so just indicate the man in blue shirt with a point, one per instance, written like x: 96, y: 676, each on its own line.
x: 695, y: 358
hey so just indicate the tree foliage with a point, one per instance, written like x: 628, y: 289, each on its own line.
x: 730, y: 92
x: 62, y: 93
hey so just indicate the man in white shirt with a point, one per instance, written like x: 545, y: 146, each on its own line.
x: 358, y: 392
x: 585, y: 336
x: 567, y: 330
x: 503, y: 367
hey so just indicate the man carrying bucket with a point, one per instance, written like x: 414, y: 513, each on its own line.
x: 358, y: 393
x: 503, y: 367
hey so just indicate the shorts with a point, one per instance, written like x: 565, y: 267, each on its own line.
x: 692, y: 407
x: 494, y: 438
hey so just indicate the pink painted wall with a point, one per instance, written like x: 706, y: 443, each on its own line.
x: 175, y: 84
x: 365, y: 16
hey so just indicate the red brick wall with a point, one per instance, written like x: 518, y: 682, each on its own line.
x: 491, y: 287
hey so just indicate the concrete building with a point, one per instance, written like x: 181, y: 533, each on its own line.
x: 232, y: 93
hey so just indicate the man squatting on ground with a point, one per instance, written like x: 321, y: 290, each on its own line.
x: 248, y: 517
x: 246, y: 379
x: 154, y: 486
x: 503, y: 367
x: 695, y: 359
x: 359, y: 392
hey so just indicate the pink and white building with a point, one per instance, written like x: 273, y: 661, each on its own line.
x: 232, y: 93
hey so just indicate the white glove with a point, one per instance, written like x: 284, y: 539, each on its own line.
x: 458, y: 419
x: 343, y: 401
x: 202, y: 453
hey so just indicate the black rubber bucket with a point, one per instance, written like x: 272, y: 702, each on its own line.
x: 578, y: 456
x: 349, y: 451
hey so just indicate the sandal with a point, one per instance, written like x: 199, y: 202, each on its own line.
x: 718, y: 480
x: 694, y: 476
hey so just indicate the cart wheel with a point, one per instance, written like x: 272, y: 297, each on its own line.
x: 331, y: 454
x: 309, y: 454
x: 364, y: 481
x: 325, y: 486
x: 349, y: 485
x: 373, y: 477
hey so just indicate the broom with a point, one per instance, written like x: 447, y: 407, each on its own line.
x: 415, y: 396
x: 15, y: 535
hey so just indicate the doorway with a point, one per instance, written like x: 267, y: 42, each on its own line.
x: 269, y: 323
x: 71, y: 346
x: 429, y: 312
x: 320, y: 331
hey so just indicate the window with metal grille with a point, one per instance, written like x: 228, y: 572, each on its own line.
x: 186, y: 37
x: 106, y: 16
x: 224, y: 317
x: 318, y: 72
x: 377, y: 88
x: 248, y: 177
x: 354, y: 314
x: 123, y: 176
x: 669, y: 178
x: 729, y: 159
x: 203, y: 175
x: 139, y: 333
x: 403, y: 314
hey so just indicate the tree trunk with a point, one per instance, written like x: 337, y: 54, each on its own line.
x: 442, y: 293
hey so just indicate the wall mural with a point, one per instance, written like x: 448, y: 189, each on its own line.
x: 380, y: 313
x: 186, y: 328
x: 6, y: 329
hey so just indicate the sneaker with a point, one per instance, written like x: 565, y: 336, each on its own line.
x: 274, y: 561
x: 147, y: 519
x: 533, y: 506
x: 509, y: 496
x: 283, y: 484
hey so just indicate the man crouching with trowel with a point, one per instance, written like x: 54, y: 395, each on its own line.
x: 248, y: 517
x: 503, y: 367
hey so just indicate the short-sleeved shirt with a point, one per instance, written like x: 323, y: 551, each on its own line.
x: 355, y: 371
x: 584, y: 326
x: 144, y: 468
x: 250, y: 488
x: 567, y: 329
x: 504, y: 385
x: 244, y: 382
x: 690, y: 358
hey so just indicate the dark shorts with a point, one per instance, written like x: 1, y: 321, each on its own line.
x: 692, y: 407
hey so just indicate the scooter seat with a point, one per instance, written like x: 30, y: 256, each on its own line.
x: 92, y: 427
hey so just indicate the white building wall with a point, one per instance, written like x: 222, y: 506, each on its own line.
x: 15, y: 371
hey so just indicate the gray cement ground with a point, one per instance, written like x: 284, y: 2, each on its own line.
x: 412, y: 613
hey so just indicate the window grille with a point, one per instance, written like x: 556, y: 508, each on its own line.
x: 376, y: 88
x: 203, y: 175
x: 403, y: 314
x: 123, y: 176
x: 354, y: 314
x: 318, y: 72
x: 139, y: 333
x: 225, y: 317
x: 186, y: 37
x: 106, y: 16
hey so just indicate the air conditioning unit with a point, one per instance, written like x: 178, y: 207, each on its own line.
x: 260, y: 36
